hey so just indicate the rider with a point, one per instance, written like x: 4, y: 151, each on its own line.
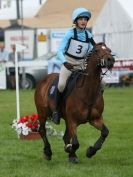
x: 72, y: 50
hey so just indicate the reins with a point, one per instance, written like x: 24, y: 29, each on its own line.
x: 83, y: 72
x: 92, y: 55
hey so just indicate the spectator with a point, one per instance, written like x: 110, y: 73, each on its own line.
x: 12, y: 69
x: 3, y: 53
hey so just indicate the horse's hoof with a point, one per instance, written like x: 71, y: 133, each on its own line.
x: 73, y: 159
x: 47, y: 153
x: 68, y: 148
x: 90, y: 152
x: 48, y: 157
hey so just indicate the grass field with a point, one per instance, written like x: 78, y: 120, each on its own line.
x: 19, y: 158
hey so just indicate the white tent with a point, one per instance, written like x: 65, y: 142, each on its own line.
x: 57, y: 13
x: 114, y: 26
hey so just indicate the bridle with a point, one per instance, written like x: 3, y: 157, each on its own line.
x: 100, y: 64
x: 83, y: 71
x: 102, y: 60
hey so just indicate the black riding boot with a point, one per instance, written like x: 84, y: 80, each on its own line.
x: 56, y: 114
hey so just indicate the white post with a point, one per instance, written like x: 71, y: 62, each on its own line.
x: 17, y: 85
x: 19, y: 48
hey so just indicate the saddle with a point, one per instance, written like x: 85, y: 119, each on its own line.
x: 71, y: 83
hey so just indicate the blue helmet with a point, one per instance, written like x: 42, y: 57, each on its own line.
x: 80, y: 12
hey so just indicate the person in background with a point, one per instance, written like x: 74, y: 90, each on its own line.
x: 3, y: 53
x: 77, y: 42
x: 3, y: 60
x: 12, y: 69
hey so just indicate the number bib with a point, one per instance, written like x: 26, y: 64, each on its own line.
x: 77, y: 49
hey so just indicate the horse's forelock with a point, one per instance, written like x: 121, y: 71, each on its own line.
x: 96, y: 49
x: 100, y: 43
x: 103, y: 46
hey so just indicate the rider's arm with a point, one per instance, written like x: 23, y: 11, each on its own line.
x: 63, y: 46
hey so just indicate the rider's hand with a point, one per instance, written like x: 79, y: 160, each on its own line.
x: 68, y: 66
x: 85, y: 63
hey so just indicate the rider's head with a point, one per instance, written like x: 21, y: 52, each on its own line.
x: 80, y: 17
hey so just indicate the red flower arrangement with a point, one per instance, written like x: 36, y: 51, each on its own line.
x: 26, y: 124
x: 30, y: 123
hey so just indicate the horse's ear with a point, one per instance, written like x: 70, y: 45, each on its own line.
x: 98, y: 44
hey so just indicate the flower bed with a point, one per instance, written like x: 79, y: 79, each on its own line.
x: 27, y: 127
x: 26, y: 124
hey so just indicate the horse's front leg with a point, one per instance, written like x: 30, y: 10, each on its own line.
x: 42, y: 131
x: 104, y: 133
x: 71, y: 142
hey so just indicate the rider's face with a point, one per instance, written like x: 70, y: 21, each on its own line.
x: 82, y: 22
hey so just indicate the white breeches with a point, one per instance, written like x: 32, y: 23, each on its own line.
x: 65, y: 73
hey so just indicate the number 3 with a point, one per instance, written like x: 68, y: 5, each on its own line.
x: 79, y: 49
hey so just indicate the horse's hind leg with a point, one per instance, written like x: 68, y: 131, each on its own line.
x: 42, y: 131
x: 71, y: 143
x: 104, y: 133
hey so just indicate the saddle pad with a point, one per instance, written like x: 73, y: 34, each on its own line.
x: 69, y: 86
x: 53, y: 88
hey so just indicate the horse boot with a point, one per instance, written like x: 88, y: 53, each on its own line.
x: 56, y: 114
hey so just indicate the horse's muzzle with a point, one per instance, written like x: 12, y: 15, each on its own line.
x: 110, y: 62
x: 107, y: 63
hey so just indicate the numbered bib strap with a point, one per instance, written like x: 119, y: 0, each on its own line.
x: 77, y: 49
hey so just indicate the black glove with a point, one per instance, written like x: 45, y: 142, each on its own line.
x: 68, y: 66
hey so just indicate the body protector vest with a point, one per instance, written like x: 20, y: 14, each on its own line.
x: 76, y: 48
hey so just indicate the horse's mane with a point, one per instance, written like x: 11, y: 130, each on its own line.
x: 100, y: 43
x: 89, y: 54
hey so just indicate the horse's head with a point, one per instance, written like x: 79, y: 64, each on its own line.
x: 103, y: 56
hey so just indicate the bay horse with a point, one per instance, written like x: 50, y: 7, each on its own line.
x: 84, y: 103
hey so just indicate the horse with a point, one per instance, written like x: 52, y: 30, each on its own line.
x: 84, y: 103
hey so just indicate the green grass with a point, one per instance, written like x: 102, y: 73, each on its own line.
x: 19, y: 158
